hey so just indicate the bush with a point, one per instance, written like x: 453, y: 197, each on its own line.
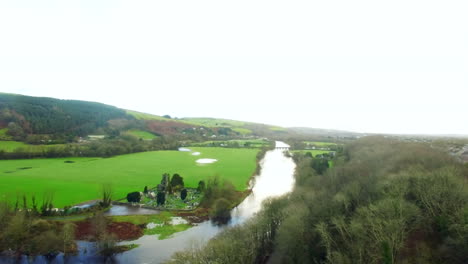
x: 221, y: 211
x: 134, y: 197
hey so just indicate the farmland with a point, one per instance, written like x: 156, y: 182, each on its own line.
x: 141, y: 134
x: 320, y: 144
x: 4, y: 135
x: 314, y: 152
x: 251, y: 143
x: 10, y: 146
x: 74, y: 180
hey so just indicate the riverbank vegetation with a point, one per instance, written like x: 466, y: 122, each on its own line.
x: 24, y: 232
x: 384, y: 201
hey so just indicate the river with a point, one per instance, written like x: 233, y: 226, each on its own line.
x: 276, y: 178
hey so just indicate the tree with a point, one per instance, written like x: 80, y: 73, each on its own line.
x: 145, y: 190
x: 165, y: 180
x: 177, y: 181
x: 220, y: 213
x: 183, y: 194
x: 134, y: 197
x: 161, y: 198
x: 320, y: 165
x: 201, y: 186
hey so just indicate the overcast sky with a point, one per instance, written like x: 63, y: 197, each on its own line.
x: 366, y: 66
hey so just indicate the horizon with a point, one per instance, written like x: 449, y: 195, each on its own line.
x: 365, y: 67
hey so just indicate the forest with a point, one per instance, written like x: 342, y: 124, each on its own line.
x: 384, y: 201
x: 67, y: 118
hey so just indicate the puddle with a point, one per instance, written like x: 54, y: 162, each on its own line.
x: 206, y: 161
x: 185, y: 149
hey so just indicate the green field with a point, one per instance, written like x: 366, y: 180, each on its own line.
x: 278, y: 129
x: 142, y: 134
x: 214, y: 122
x: 3, y: 134
x: 82, y: 180
x: 314, y: 152
x: 10, y: 146
x: 251, y: 143
x: 320, y: 144
x: 242, y: 131
x: 145, y: 116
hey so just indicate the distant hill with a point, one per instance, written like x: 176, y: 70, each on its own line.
x: 36, y: 119
x: 27, y: 115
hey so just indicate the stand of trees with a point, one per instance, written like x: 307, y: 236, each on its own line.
x: 385, y: 201
x: 68, y: 118
x: 23, y: 232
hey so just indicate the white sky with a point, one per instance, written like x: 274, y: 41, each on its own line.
x: 367, y: 66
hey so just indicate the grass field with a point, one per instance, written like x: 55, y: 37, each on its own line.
x: 145, y: 116
x: 10, y: 146
x: 278, y: 128
x: 214, y: 122
x: 320, y: 144
x: 142, y: 134
x: 252, y: 143
x: 4, y: 135
x: 82, y: 180
x: 242, y: 131
x: 314, y: 152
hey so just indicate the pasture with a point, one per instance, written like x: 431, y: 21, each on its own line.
x: 74, y: 180
x: 4, y: 135
x: 248, y: 143
x: 314, y: 152
x: 320, y: 144
x: 141, y: 134
x: 10, y: 146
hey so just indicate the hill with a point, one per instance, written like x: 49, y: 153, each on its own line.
x: 26, y: 115
x: 48, y: 127
x: 39, y: 119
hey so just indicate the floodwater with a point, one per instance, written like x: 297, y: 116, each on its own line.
x: 276, y: 178
x: 130, y: 210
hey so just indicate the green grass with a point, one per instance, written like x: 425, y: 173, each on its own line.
x: 242, y: 131
x: 214, y: 122
x: 320, y: 144
x: 145, y: 116
x: 252, y: 143
x: 82, y: 180
x: 142, y: 134
x: 314, y: 152
x: 10, y: 146
x: 166, y: 231
x: 274, y: 128
x: 3, y: 134
x: 162, y: 217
